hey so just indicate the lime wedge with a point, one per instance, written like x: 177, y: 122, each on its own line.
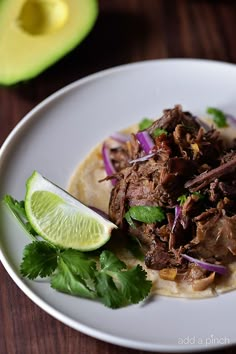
x: 61, y: 219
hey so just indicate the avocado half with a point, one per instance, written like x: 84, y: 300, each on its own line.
x: 36, y: 33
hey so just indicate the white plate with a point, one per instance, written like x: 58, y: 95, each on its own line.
x: 57, y: 134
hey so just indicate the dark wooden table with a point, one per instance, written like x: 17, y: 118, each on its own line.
x: 126, y: 31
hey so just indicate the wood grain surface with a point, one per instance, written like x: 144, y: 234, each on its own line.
x: 126, y: 31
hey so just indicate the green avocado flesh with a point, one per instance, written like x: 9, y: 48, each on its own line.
x: 36, y: 33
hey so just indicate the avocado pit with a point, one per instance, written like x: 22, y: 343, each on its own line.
x: 42, y: 17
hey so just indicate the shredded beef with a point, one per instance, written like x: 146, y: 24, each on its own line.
x: 172, y: 117
x: 145, y: 233
x: 119, y: 157
x: 117, y: 203
x: 228, y: 189
x: 158, y: 257
x: 187, y: 161
x: 207, y: 177
x: 215, y: 236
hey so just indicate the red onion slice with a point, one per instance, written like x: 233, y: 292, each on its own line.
x: 109, y: 168
x: 208, y: 266
x: 178, y: 212
x: 120, y: 137
x: 143, y: 158
x: 146, y: 141
x: 231, y: 119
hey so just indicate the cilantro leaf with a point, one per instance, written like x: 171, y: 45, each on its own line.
x: 145, y: 123
x: 219, y: 118
x: 158, y: 131
x: 109, y: 262
x: 133, y: 284
x: 182, y: 199
x: 118, y: 286
x: 66, y: 281
x: 146, y: 214
x: 18, y: 210
x: 80, y: 264
x: 108, y: 292
x: 39, y: 259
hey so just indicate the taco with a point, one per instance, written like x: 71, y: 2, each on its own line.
x: 171, y: 189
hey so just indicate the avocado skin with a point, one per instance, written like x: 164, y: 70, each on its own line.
x: 29, y: 69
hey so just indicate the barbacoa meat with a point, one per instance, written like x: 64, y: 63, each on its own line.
x: 192, y: 172
x: 206, y: 177
x: 172, y: 117
x: 215, y: 236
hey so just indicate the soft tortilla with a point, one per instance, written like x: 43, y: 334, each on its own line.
x: 85, y: 186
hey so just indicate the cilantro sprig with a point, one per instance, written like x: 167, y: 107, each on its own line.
x: 76, y: 273
x: 98, y: 275
x: 118, y: 286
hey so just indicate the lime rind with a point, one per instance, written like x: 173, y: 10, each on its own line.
x: 63, y: 220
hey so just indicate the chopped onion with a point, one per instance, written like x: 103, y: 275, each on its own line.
x: 143, y: 158
x: 145, y: 141
x: 208, y: 266
x: 109, y: 168
x: 178, y: 212
x: 120, y: 137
